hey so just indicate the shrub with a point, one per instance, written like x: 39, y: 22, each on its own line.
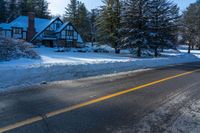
x: 15, y: 49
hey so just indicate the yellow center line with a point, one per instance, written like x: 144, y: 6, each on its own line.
x: 78, y: 106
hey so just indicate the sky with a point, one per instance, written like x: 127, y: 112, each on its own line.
x: 57, y: 7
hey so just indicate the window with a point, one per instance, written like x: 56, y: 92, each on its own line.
x: 69, y: 32
x: 1, y: 32
x: 17, y: 31
x: 57, y: 25
x: 49, y: 33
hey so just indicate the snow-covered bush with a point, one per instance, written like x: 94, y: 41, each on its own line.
x: 15, y: 49
x: 99, y: 48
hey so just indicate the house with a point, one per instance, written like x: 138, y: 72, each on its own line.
x: 51, y: 33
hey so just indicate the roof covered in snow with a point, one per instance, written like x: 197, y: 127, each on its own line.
x: 4, y: 26
x: 22, y: 22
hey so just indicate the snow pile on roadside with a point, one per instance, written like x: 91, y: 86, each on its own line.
x: 55, y: 66
x: 15, y: 49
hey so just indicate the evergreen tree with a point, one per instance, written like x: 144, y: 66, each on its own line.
x: 93, y: 15
x: 109, y: 23
x: 191, y: 19
x: 2, y: 11
x: 163, y: 19
x: 26, y: 7
x: 134, y: 24
x: 39, y: 7
x: 13, y: 10
x: 71, y: 13
x: 42, y: 9
x: 83, y: 22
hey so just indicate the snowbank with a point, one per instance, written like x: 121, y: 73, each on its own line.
x: 70, y: 65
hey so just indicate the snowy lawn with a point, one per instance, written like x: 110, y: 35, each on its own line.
x: 54, y: 66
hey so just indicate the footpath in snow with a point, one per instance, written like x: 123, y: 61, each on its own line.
x: 54, y: 66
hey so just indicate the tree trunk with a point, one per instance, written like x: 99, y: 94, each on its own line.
x: 139, y: 51
x: 117, y: 50
x: 192, y: 47
x: 92, y: 41
x: 156, y: 51
x: 189, y: 49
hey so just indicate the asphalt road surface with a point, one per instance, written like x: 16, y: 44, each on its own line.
x: 121, y: 103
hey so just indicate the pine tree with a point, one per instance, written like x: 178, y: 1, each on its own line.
x: 83, y: 22
x: 163, y: 16
x: 2, y: 11
x: 13, y: 10
x: 94, y: 14
x: 134, y: 24
x: 42, y: 9
x: 71, y: 13
x: 26, y: 7
x: 109, y: 23
x: 39, y: 7
x: 191, y: 19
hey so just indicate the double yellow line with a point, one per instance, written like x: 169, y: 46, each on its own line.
x: 78, y: 106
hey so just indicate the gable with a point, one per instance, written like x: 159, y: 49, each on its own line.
x: 52, y: 26
x: 69, y: 32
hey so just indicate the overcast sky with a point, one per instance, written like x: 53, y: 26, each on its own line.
x: 58, y: 6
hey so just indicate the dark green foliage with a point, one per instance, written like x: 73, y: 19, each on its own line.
x: 108, y: 23
x: 71, y: 13
x: 162, y: 24
x: 84, y: 22
x: 13, y: 8
x: 149, y: 24
x: 191, y: 25
x: 39, y: 7
x: 2, y: 11
x: 134, y: 24
x: 93, y: 17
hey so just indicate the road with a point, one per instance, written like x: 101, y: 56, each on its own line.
x: 147, y: 101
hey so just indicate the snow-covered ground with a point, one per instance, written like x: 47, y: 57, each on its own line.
x: 55, y: 66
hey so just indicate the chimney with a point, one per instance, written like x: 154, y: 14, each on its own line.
x: 31, y: 26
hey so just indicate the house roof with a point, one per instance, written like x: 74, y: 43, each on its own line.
x: 22, y: 22
x: 4, y: 26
